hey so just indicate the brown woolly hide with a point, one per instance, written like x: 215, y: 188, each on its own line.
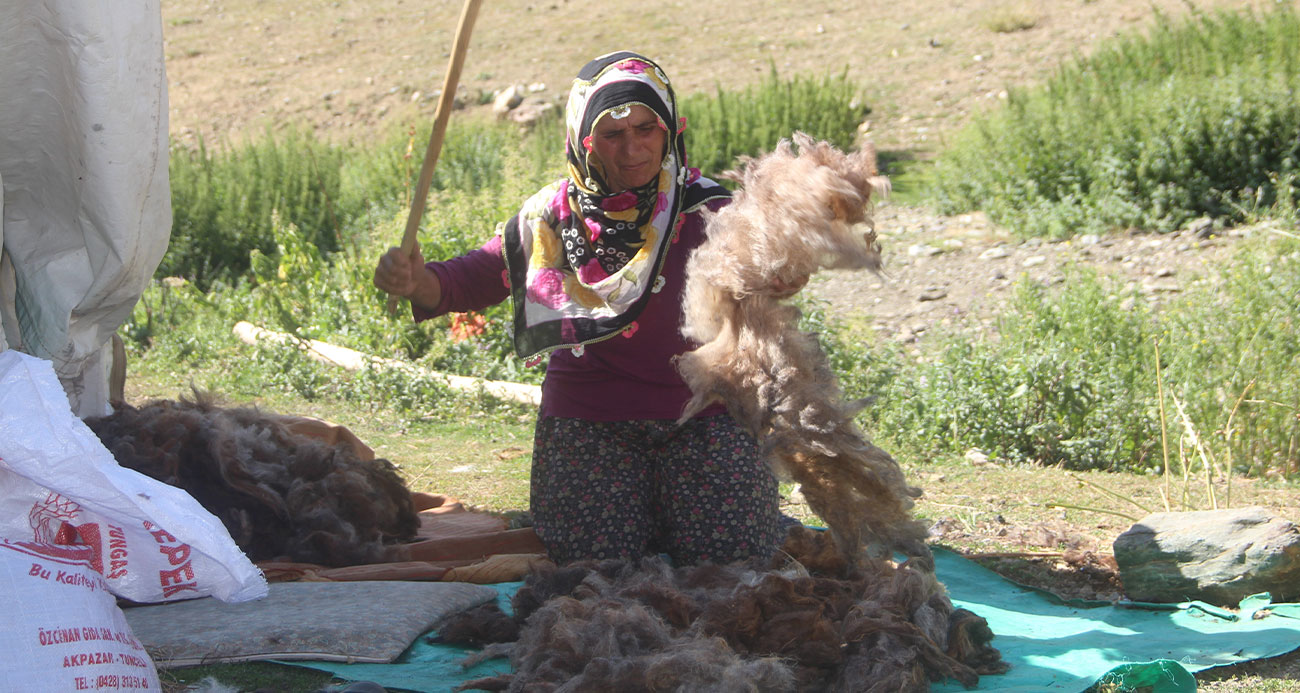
x: 279, y: 494
x: 477, y: 627
x: 780, y: 626
x: 797, y: 212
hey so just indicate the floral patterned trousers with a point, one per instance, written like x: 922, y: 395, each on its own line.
x: 622, y: 489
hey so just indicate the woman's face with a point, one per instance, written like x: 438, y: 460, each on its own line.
x: 630, y: 149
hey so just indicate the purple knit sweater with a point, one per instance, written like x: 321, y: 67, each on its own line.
x: 628, y: 377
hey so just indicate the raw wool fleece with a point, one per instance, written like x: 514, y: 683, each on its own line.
x: 796, y: 213
x: 280, y: 494
x: 807, y: 621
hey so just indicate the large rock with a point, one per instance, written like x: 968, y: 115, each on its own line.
x: 1215, y: 556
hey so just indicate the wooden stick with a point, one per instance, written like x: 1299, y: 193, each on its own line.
x: 459, y: 47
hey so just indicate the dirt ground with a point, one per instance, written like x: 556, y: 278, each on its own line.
x: 351, y: 68
x: 941, y: 271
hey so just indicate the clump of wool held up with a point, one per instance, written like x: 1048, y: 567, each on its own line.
x: 279, y: 493
x: 807, y: 621
x: 802, y: 208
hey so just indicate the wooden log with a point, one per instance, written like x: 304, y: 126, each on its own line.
x: 355, y: 360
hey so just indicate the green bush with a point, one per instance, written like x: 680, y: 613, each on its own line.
x: 474, y: 157
x: 222, y: 202
x: 1067, y: 381
x: 728, y: 124
x: 1198, y: 119
x: 1070, y: 378
x: 1236, y: 356
x: 297, y: 291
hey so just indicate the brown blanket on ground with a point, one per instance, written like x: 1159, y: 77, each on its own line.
x: 453, y: 543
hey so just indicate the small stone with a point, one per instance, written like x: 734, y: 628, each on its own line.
x: 923, y: 250
x: 1089, y: 239
x: 1033, y: 261
x: 995, y: 253
x: 933, y: 293
x: 507, y: 99
x: 1200, y: 228
x: 977, y: 457
x: 530, y: 112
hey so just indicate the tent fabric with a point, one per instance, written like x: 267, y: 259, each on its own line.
x: 1052, y: 645
x: 83, y: 174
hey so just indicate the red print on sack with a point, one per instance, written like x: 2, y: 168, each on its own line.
x: 180, y: 578
x: 53, y: 521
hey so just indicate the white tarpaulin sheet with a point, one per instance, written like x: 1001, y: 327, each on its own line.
x: 83, y: 163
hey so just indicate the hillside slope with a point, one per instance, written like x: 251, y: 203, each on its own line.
x: 350, y: 68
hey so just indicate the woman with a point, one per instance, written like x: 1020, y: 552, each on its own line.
x: 594, y: 264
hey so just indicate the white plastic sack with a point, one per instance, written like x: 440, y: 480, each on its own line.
x: 63, y: 629
x: 60, y: 485
x: 86, y: 206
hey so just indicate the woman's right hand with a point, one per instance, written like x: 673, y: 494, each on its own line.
x: 396, y: 271
x: 402, y: 274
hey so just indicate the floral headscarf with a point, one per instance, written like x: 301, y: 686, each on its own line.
x: 582, y: 261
